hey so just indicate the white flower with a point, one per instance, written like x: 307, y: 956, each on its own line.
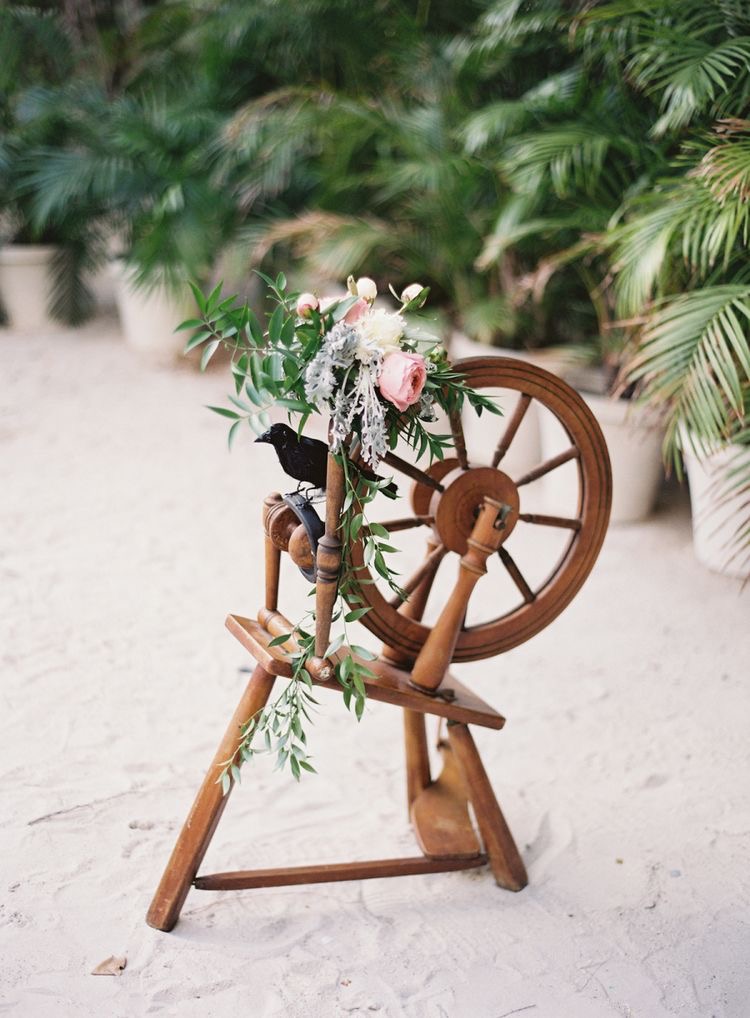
x: 366, y: 288
x: 379, y: 333
x: 411, y: 291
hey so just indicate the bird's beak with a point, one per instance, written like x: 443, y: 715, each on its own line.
x: 263, y: 438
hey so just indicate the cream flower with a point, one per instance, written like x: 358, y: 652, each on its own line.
x: 366, y: 288
x: 411, y: 291
x: 380, y: 332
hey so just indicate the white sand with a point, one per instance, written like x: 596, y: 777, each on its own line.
x: 128, y: 533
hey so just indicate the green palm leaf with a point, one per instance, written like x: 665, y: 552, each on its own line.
x: 693, y: 360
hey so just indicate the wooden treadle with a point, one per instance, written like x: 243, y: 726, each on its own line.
x: 391, y: 684
x: 325, y: 873
x: 440, y: 815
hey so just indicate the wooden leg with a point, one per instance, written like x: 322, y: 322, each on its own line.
x: 507, y: 865
x: 417, y: 756
x: 205, y: 814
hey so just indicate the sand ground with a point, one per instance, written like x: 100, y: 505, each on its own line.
x: 128, y: 532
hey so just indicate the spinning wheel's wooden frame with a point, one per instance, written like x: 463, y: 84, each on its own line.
x: 471, y: 510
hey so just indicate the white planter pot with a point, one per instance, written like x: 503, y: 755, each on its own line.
x: 634, y: 443
x: 149, y: 318
x: 25, y: 286
x: 715, y: 517
x: 483, y: 433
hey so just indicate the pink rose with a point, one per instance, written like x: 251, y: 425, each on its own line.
x: 402, y: 378
x: 354, y: 313
x: 306, y: 302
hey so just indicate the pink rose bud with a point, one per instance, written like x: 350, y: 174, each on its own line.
x: 367, y: 288
x: 356, y: 311
x: 306, y: 302
x: 402, y: 378
x: 411, y: 292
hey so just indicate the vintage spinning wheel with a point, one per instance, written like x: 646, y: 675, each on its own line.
x: 447, y: 496
x: 473, y: 510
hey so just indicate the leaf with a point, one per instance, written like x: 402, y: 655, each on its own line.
x: 197, y: 339
x: 364, y: 653
x: 190, y: 323
x: 278, y: 640
x: 253, y: 327
x: 232, y: 433
x: 200, y: 300
x: 356, y: 614
x: 334, y: 646
x: 208, y: 353
x: 113, y: 966
x: 275, y: 324
x: 224, y: 412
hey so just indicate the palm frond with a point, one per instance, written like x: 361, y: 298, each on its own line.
x: 693, y: 361
x: 688, y: 72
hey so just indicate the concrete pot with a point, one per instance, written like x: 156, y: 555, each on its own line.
x: 716, y: 518
x: 25, y: 286
x: 483, y: 433
x: 634, y: 443
x: 149, y: 317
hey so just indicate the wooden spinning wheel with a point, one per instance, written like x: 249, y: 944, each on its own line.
x: 448, y: 495
x: 472, y: 508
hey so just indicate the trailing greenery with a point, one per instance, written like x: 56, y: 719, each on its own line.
x: 275, y: 366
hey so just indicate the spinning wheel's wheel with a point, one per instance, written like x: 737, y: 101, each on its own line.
x: 449, y: 494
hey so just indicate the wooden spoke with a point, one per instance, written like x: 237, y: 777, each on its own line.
x: 409, y: 522
x: 516, y: 575
x: 551, y: 521
x: 411, y: 471
x: 427, y: 568
x: 551, y: 464
x: 459, y: 441
x: 513, y: 425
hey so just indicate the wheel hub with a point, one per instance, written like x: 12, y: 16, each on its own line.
x: 455, y: 509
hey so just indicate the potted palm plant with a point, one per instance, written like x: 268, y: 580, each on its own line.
x: 144, y: 161
x: 44, y: 259
x: 681, y: 276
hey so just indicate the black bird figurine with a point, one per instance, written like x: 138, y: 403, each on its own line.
x: 306, y: 459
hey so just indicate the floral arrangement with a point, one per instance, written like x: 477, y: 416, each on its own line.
x: 379, y: 380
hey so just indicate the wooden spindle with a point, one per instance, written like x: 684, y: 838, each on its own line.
x: 436, y: 654
x: 272, y: 552
x: 328, y: 559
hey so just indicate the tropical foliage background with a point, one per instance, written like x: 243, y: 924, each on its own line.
x: 556, y: 172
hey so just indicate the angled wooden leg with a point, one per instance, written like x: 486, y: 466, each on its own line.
x: 417, y: 756
x: 507, y: 865
x: 205, y: 814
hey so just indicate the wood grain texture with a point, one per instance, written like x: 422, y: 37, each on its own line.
x: 326, y: 873
x: 390, y: 684
x: 440, y: 814
x: 437, y: 653
x: 505, y: 860
x: 587, y: 450
x: 205, y: 812
x: 328, y: 559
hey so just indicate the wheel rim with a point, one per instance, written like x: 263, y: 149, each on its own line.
x: 450, y: 508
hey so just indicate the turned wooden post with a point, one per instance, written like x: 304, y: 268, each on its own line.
x: 418, y: 775
x: 436, y: 654
x: 505, y: 861
x: 272, y: 504
x: 206, y: 811
x: 328, y: 559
